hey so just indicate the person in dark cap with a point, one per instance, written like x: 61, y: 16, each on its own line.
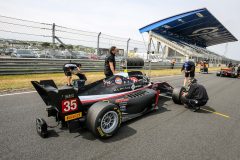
x: 196, y: 96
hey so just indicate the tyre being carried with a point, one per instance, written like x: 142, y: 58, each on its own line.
x: 177, y: 93
x: 193, y: 98
x: 133, y: 63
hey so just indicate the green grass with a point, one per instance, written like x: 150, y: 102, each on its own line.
x: 15, y: 82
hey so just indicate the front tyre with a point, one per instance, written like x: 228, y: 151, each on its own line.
x: 104, y: 119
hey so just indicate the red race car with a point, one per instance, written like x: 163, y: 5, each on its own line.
x: 228, y: 72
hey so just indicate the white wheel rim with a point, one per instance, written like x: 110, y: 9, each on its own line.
x: 38, y: 126
x: 109, y: 122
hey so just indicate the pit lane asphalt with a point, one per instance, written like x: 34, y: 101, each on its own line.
x: 173, y: 132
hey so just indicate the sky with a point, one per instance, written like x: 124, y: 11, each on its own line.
x: 123, y: 18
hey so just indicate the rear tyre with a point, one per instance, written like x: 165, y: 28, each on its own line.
x: 41, y: 127
x: 104, y: 119
x: 220, y: 74
x: 176, y: 95
x: 234, y: 75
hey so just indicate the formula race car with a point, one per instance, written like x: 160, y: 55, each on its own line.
x: 100, y: 106
x: 228, y: 72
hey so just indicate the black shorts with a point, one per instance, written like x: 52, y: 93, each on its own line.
x: 67, y: 72
x: 108, y: 75
x: 192, y: 74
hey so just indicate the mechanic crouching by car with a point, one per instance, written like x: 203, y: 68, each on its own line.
x: 189, y: 69
x: 196, y: 96
x: 72, y: 68
x: 110, y: 63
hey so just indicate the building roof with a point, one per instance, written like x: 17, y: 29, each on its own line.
x: 198, y: 27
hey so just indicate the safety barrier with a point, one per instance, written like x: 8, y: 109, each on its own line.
x: 14, y: 66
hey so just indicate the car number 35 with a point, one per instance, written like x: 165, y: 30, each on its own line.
x: 69, y: 105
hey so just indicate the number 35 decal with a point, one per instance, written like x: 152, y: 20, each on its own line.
x: 69, y: 105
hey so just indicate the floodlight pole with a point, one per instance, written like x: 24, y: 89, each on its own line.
x: 149, y: 51
x: 127, y: 47
x: 98, y: 41
x: 53, y: 35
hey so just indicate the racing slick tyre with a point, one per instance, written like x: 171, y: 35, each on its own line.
x: 176, y: 95
x: 134, y: 63
x: 221, y: 74
x: 41, y: 127
x: 234, y: 75
x: 206, y: 70
x: 104, y: 119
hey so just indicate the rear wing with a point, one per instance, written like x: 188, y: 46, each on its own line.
x: 52, y: 96
x: 47, y: 90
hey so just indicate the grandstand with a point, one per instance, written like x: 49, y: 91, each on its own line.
x: 188, y: 35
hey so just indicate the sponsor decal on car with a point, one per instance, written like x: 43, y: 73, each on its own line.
x: 73, y: 116
x: 134, y: 79
x: 118, y: 80
x: 69, y: 105
x: 121, y: 100
x: 133, y: 87
x: 100, y: 131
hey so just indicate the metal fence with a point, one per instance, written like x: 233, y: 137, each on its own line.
x: 20, y: 33
x: 14, y: 66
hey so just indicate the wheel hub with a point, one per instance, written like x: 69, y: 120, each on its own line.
x: 109, y: 121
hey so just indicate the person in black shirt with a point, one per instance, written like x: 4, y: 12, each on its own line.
x: 230, y: 65
x: 110, y: 63
x: 196, y: 96
x: 68, y: 69
x: 238, y: 70
x: 189, y: 69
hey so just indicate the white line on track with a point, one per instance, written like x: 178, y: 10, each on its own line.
x: 11, y: 94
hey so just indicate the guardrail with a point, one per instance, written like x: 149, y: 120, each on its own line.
x: 15, y: 66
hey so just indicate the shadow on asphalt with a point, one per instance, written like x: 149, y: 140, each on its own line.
x: 207, y: 108
x: 52, y: 133
x: 124, y: 131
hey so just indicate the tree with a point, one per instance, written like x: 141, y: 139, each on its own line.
x: 45, y: 44
x: 70, y: 47
x: 61, y: 46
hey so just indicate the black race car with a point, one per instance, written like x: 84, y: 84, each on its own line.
x: 102, y: 105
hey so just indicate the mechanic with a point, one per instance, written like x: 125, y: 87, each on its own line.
x: 230, y: 65
x: 238, y: 70
x: 196, y: 96
x: 189, y: 69
x: 68, y: 69
x: 173, y: 63
x: 110, y: 63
